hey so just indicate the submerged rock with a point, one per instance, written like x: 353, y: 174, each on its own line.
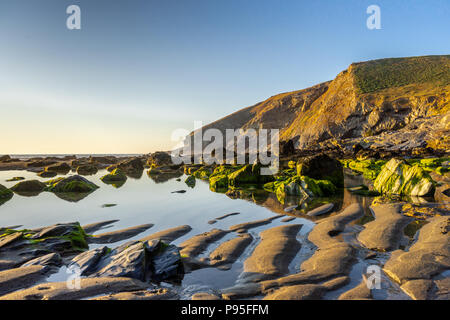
x: 397, y: 177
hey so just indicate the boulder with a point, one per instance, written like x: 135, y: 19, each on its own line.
x: 142, y: 260
x: 321, y: 167
x: 190, y: 181
x: 397, y: 177
x: 5, y: 193
x: 159, y: 158
x: 117, y: 175
x: 87, y: 169
x: 249, y: 174
x: 59, y: 168
x: 73, y: 184
x: 29, y: 186
x: 40, y: 163
x: 133, y: 165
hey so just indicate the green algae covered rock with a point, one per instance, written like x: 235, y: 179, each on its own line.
x: 249, y: 174
x: 397, y: 177
x: 5, y: 194
x: 73, y: 184
x: 218, y: 182
x: 87, y: 169
x: 117, y: 175
x: 190, y: 181
x: 370, y: 168
x: 202, y: 173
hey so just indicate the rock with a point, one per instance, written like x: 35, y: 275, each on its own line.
x: 248, y: 175
x: 87, y: 169
x: 60, y: 168
x: 159, y: 158
x: 150, y: 294
x: 385, y: 233
x: 15, y: 179
x: 125, y: 261
x: 223, y: 217
x: 288, y: 219
x: 61, y: 237
x: 6, y: 239
x: 205, y: 296
x: 307, y: 291
x: 116, y: 176
x: 51, y: 259
x: 89, y: 287
x: 5, y: 194
x: 40, y: 163
x: 135, y: 259
x: 73, y: 184
x: 442, y: 194
x: 167, y: 264
x: 88, y: 260
x: 321, y: 167
x: 169, y: 235
x: 229, y: 251
x: 428, y: 256
x: 179, y: 191
x: 253, y: 224
x: 92, y: 227
x: 321, y: 210
x: 47, y: 174
x: 273, y: 254
x: 360, y: 292
x: 197, y: 244
x: 119, y: 235
x: 131, y: 166
x: 190, y: 181
x: 18, y: 278
x: 397, y: 177
x: 5, y: 158
x: 29, y: 187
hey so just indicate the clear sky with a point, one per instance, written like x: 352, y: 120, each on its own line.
x: 138, y: 69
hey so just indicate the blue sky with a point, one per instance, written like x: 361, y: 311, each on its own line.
x: 138, y: 69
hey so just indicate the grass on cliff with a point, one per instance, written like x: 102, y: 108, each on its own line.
x: 381, y: 74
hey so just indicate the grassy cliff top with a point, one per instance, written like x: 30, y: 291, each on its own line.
x: 381, y: 74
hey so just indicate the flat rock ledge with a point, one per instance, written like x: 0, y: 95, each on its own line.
x: 385, y: 233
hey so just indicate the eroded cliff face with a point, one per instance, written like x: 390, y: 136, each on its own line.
x: 370, y: 99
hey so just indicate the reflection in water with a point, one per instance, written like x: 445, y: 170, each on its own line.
x: 161, y: 177
x: 72, y: 196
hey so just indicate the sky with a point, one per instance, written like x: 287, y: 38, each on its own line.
x: 139, y: 69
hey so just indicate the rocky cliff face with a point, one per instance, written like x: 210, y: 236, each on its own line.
x: 401, y: 103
